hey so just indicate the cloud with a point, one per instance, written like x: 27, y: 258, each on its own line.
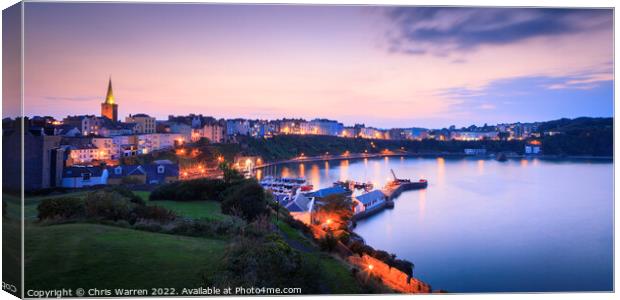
x: 487, y: 106
x: 444, y: 30
x: 582, y: 82
x: 73, y: 98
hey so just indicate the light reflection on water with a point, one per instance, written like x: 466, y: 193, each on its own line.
x: 484, y: 225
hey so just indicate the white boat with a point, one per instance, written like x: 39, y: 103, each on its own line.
x: 284, y: 188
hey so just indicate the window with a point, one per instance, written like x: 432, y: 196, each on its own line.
x: 118, y: 170
x: 85, y: 176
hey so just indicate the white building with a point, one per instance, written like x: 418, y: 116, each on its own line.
x: 85, y: 153
x: 369, y: 201
x: 532, y: 149
x: 107, y: 149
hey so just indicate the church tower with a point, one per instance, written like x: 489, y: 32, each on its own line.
x: 109, y: 109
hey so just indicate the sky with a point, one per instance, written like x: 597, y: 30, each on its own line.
x: 382, y: 66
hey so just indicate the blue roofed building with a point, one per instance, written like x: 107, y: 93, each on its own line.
x: 127, y: 174
x: 334, y: 190
x: 79, y: 177
x: 161, y: 173
x: 301, y: 208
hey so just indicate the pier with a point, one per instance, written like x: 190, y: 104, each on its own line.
x: 391, y: 191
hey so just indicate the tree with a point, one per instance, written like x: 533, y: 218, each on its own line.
x: 338, y: 208
x: 247, y: 199
x: 230, y: 175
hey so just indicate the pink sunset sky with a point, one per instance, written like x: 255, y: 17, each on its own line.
x: 383, y: 66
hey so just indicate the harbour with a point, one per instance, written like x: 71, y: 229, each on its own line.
x: 473, y: 201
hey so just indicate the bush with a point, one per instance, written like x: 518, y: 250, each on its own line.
x: 148, y: 226
x: 155, y: 213
x: 125, y: 192
x: 106, y: 205
x: 268, y: 261
x: 328, y: 242
x: 247, y: 200
x: 191, y: 190
x: 61, y: 208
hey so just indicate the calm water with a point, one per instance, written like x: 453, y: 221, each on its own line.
x: 488, y: 226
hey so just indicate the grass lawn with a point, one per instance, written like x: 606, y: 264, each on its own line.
x: 90, y: 255
x: 101, y: 256
x: 189, y: 209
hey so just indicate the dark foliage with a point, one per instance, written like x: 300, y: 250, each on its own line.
x: 191, y: 190
x: 247, y: 199
x: 105, y: 205
x: 154, y: 213
x: 64, y: 208
x: 127, y: 193
x: 268, y: 262
x: 581, y: 136
x: 328, y: 242
x: 205, y: 228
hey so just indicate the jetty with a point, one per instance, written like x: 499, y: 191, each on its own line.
x: 375, y: 201
x: 394, y: 188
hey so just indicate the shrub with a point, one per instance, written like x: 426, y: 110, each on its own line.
x: 267, y: 261
x: 205, y: 228
x: 106, y: 205
x: 191, y: 190
x: 125, y: 192
x: 148, y: 226
x: 328, y: 242
x: 155, y: 213
x: 247, y: 200
x: 61, y: 208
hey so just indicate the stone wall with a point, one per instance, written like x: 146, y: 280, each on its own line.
x: 392, y: 277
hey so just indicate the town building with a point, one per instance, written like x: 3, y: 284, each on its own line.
x: 473, y: 135
x: 237, y: 127
x: 147, y: 123
x: 325, y: 127
x: 213, y: 131
x: 84, y: 153
x: 87, y: 124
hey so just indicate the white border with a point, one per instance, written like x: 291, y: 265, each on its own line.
x: 527, y: 3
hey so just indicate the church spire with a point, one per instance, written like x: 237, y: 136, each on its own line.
x: 109, y: 98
